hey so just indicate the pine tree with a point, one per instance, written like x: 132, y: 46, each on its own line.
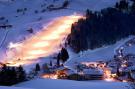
x: 123, y: 5
x: 133, y: 7
x: 64, y: 55
x: 21, y: 75
x: 4, y: 68
x: 37, y: 67
x: 8, y: 76
x: 117, y: 72
x: 58, y: 59
x: 117, y: 5
x: 65, y: 4
x: 50, y: 63
x: 13, y: 76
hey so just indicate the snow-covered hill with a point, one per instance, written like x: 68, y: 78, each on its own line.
x: 37, y: 16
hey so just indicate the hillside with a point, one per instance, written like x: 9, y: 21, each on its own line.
x: 103, y: 27
x: 35, y: 33
x: 21, y: 22
x: 100, y: 54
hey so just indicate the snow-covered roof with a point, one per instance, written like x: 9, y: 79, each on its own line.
x: 92, y: 71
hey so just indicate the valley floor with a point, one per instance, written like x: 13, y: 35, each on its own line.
x: 69, y: 84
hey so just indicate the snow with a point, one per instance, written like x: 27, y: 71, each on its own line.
x: 94, y: 5
x: 99, y: 54
x: 5, y: 87
x: 68, y: 84
x: 18, y: 33
x: 92, y: 71
x: 21, y: 23
x: 130, y: 50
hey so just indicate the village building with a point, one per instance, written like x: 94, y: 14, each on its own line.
x: 93, y: 74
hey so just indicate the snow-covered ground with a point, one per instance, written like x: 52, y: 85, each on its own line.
x: 130, y: 50
x: 99, y: 54
x: 69, y: 84
x: 5, y: 87
x: 22, y: 22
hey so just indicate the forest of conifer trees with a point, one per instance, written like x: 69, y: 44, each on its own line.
x: 104, y: 27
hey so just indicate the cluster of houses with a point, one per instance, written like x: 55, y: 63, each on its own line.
x: 81, y: 71
x: 123, y: 67
x: 120, y: 68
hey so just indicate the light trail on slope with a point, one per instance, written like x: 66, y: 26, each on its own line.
x: 42, y: 44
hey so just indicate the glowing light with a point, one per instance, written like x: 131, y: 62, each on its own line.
x: 109, y: 79
x: 55, y: 77
x: 33, y: 52
x: 124, y: 81
x: 123, y: 65
x: 68, y: 21
x: 114, y: 75
x: 51, y: 37
x: 52, y: 76
x: 14, y: 45
x: 28, y: 57
x: 108, y: 75
x: 41, y: 44
x: 61, y: 29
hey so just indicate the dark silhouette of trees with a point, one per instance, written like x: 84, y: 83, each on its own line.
x: 11, y: 75
x: 21, y: 75
x: 122, y: 5
x: 102, y: 28
x: 58, y: 59
x: 37, y: 67
x: 62, y: 56
x: 65, y: 4
x: 7, y: 76
x: 51, y: 64
x: 133, y: 7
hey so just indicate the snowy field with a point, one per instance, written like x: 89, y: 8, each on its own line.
x: 4, y: 87
x: 69, y: 84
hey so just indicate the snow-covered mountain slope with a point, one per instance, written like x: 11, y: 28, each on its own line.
x: 94, y: 5
x: 68, y: 84
x: 24, y: 21
x: 99, y: 54
x: 29, y: 19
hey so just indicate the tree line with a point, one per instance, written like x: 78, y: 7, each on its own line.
x: 105, y: 27
x: 11, y: 75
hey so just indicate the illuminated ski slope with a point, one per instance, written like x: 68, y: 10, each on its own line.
x: 42, y: 44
